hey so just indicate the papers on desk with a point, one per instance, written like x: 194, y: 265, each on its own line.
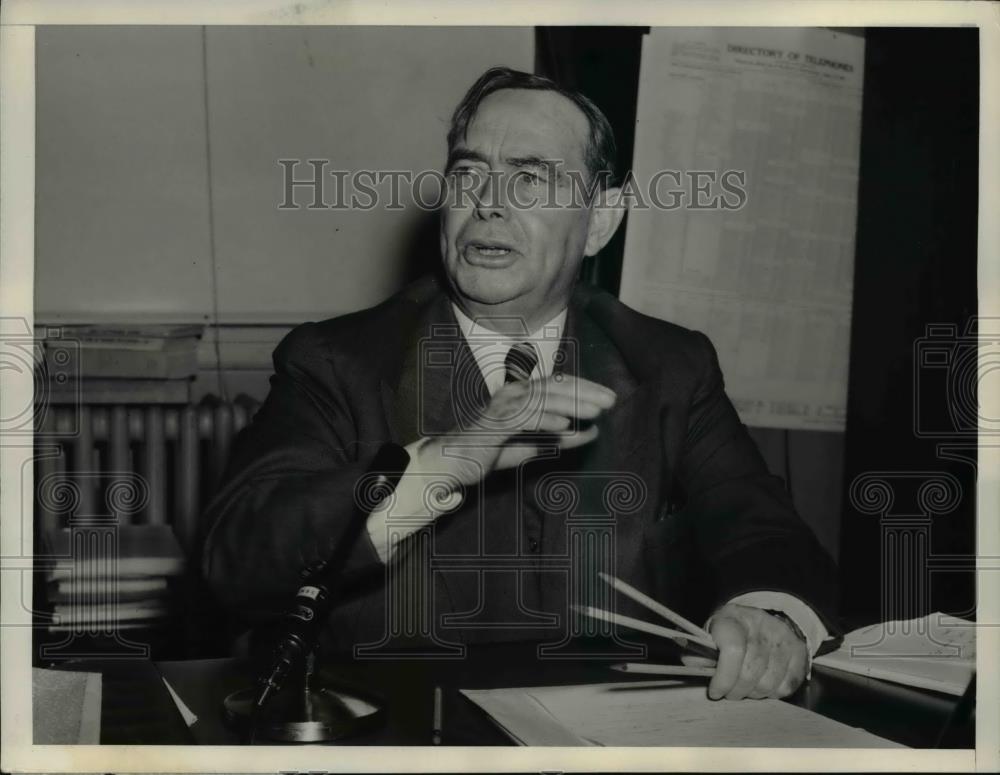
x: 660, y: 713
x: 936, y: 652
x: 66, y: 707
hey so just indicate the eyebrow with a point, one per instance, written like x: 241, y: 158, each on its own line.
x: 466, y: 154
x: 533, y: 161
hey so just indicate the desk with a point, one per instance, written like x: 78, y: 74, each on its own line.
x: 909, y: 716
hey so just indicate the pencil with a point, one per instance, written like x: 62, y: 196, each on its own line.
x: 678, y: 670
x: 437, y: 726
x: 645, y: 600
x: 686, y: 640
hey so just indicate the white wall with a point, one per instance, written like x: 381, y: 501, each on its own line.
x: 123, y: 198
x: 121, y: 194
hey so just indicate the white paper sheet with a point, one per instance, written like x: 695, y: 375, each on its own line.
x: 660, y: 713
x: 935, y: 652
x: 66, y: 707
x: 770, y: 283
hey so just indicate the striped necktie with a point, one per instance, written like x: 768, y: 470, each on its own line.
x: 520, y: 362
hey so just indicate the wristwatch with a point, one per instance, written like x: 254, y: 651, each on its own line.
x: 789, y: 621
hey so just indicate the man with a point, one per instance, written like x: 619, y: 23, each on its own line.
x: 524, y: 400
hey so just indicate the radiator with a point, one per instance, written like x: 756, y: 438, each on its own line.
x: 179, y: 451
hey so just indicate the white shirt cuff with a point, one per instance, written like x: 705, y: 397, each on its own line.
x: 421, y: 496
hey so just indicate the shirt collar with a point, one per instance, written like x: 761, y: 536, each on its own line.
x: 490, y: 348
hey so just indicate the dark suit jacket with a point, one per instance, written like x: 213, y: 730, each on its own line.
x: 672, y: 497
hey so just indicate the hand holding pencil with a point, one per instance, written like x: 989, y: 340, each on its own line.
x: 760, y: 656
x: 748, y: 652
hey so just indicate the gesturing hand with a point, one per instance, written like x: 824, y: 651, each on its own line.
x: 545, y: 406
x: 759, y: 655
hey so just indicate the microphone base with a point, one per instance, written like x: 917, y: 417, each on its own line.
x: 313, y: 713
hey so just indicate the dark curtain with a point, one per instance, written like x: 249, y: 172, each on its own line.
x: 602, y: 63
x: 910, y: 394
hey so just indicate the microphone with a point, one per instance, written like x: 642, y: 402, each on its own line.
x: 322, y: 583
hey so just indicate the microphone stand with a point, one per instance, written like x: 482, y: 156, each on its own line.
x: 288, y: 703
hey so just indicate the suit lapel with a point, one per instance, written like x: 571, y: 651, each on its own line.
x: 439, y: 385
x: 589, y: 351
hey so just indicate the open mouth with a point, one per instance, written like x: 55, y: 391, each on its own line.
x: 487, y: 250
x: 490, y: 251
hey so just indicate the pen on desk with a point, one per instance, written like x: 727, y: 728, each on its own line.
x: 678, y: 670
x: 437, y: 725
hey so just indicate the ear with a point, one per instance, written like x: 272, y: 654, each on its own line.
x: 605, y: 216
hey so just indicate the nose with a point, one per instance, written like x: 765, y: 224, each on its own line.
x: 490, y: 199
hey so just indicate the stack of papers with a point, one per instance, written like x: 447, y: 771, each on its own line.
x: 936, y: 652
x: 110, y: 576
x: 660, y: 713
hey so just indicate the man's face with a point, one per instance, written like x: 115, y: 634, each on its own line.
x: 500, y: 257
